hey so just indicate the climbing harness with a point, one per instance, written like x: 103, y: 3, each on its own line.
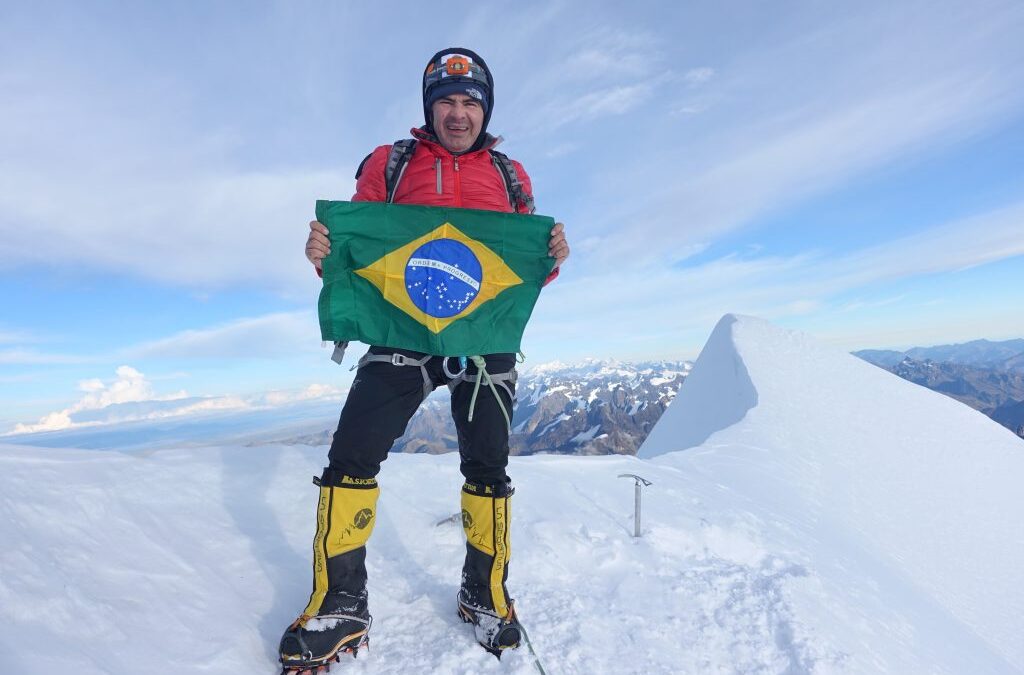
x: 493, y: 381
x: 397, y: 359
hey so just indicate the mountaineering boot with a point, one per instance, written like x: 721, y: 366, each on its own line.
x: 337, y: 619
x: 483, y: 599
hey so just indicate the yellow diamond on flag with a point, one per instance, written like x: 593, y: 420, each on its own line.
x: 440, y: 277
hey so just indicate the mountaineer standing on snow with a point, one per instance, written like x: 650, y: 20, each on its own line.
x: 451, y: 162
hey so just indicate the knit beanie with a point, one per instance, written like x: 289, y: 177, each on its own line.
x: 457, y: 71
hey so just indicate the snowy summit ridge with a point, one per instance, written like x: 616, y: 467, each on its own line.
x: 924, y: 489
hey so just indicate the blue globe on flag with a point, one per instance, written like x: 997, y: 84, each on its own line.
x: 442, y: 277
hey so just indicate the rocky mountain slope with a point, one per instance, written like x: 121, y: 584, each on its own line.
x: 1004, y: 354
x: 987, y: 376
x: 593, y: 408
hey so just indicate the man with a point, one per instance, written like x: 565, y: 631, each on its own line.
x: 452, y: 164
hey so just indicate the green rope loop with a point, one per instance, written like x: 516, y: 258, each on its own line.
x: 481, y: 376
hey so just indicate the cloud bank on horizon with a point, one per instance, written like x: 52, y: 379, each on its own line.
x: 130, y: 397
x: 822, y: 167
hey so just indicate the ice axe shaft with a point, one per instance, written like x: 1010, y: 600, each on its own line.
x: 639, y: 483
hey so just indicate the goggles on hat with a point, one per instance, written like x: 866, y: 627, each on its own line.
x: 453, y: 65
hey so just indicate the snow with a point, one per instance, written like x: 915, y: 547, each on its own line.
x: 637, y: 407
x: 717, y: 394
x: 814, y: 515
x: 537, y: 395
x: 553, y: 423
x: 586, y: 436
x: 898, y: 493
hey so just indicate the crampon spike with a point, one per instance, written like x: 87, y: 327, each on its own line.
x: 312, y: 670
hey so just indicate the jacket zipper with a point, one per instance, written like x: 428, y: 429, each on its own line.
x: 458, y: 184
x: 437, y: 172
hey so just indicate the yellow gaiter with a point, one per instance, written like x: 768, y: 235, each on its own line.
x: 485, y: 519
x: 345, y: 517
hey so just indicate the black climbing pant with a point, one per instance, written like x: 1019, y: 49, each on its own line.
x: 384, y: 397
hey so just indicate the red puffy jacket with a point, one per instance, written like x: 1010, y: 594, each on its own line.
x: 436, y: 177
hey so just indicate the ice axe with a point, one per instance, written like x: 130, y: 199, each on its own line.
x: 640, y: 483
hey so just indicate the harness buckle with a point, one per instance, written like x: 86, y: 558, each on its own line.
x: 398, y: 359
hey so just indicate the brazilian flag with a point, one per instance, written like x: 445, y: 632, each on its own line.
x: 443, y: 281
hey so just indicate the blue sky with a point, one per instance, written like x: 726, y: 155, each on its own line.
x: 856, y: 172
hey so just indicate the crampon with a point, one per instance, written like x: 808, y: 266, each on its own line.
x: 494, y: 633
x: 311, y: 648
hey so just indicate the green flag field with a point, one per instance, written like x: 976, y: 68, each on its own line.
x: 443, y: 281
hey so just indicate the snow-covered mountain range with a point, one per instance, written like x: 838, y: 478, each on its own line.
x: 594, y: 407
x: 808, y: 513
x: 598, y: 407
x: 1004, y: 354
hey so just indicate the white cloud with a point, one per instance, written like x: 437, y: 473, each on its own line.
x: 123, y: 166
x: 51, y: 422
x: 312, y: 392
x: 743, y: 183
x: 799, y: 111
x: 33, y: 357
x: 268, y: 336
x: 278, y: 335
x: 561, y: 150
x: 950, y: 247
x: 146, y: 177
x: 618, y: 54
x: 130, y: 398
x: 162, y: 197
x: 688, y: 109
x: 593, y: 72
x: 200, y: 230
x: 592, y: 105
x: 129, y: 386
x: 92, y: 385
x: 861, y: 304
x: 21, y: 347
x: 696, y: 76
x: 658, y: 306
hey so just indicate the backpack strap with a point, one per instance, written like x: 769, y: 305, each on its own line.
x: 401, y: 153
x: 517, y: 194
x: 398, y: 159
x: 362, y: 164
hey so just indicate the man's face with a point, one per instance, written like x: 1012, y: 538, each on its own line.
x: 457, y: 121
